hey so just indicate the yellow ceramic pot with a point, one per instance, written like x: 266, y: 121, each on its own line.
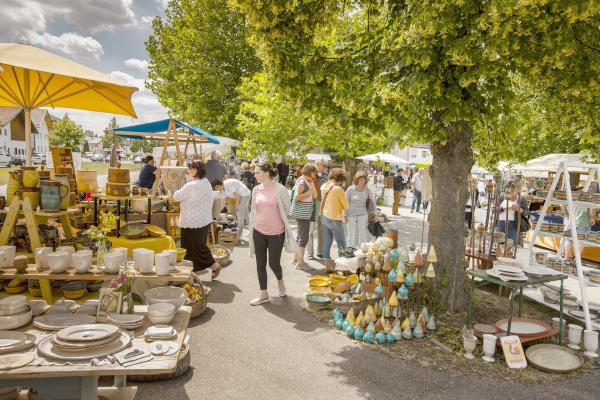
x: 29, y: 177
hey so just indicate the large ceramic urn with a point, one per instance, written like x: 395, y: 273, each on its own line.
x: 52, y: 194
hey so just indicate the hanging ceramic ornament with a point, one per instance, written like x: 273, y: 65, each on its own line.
x: 345, y: 324
x: 339, y: 323
x: 399, y: 275
x: 412, y: 319
x: 418, y: 277
x: 387, y: 327
x: 393, y: 301
x: 359, y: 333
x: 418, y: 260
x: 403, y: 292
x: 418, y: 332
x: 431, y: 256
x: 402, y: 265
x: 387, y: 311
x: 409, y: 280
x: 350, y: 331
x: 371, y: 327
x: 395, y: 312
x: 407, y: 334
x: 430, y: 272
x: 421, y: 322
x: 379, y: 290
x: 350, y: 317
x: 359, y: 321
x: 425, y: 313
x: 392, y: 276
x: 431, y: 326
x: 379, y: 325
x: 387, y: 263
x: 380, y: 338
x: 376, y: 310
x: 396, y: 331
x: 369, y: 337
x: 337, y: 313
x: 389, y: 338
x: 405, y: 324
x: 394, y: 254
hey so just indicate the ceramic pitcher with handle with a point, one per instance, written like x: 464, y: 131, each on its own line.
x: 52, y: 194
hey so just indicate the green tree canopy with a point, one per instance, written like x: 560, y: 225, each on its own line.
x: 109, y: 140
x: 67, y: 133
x: 198, y: 57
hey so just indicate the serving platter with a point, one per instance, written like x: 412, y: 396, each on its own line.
x: 15, y: 360
x: 553, y: 358
x: 56, y: 322
x: 48, y: 349
x: 11, y: 342
x: 539, y: 271
x: 507, y: 277
x: 523, y: 326
x: 78, y: 346
x: 87, y: 332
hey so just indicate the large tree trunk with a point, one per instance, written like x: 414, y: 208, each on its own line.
x: 452, y: 163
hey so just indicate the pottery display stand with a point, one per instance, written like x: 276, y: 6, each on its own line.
x: 80, y: 381
x: 563, y: 176
x: 23, y: 207
x: 119, y: 199
x: 515, y: 286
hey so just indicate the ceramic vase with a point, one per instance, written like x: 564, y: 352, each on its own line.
x: 575, y: 332
x: 469, y: 345
x: 350, y: 331
x: 409, y: 280
x: 590, y: 343
x: 380, y: 338
x: 418, y: 332
x: 412, y: 319
x: 489, y: 347
x: 359, y: 333
x: 369, y: 337
x: 407, y: 334
x: 431, y: 326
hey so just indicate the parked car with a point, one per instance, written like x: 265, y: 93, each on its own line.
x: 138, y: 159
x: 97, y: 158
x: 5, y: 160
x: 16, y: 160
x: 38, y: 159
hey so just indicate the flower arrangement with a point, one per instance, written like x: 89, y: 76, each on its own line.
x: 123, y: 284
x: 98, y: 233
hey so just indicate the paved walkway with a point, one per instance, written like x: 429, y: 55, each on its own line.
x: 281, y: 352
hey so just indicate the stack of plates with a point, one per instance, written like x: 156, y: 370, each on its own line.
x: 14, y: 312
x: 11, y: 342
x: 84, y: 342
x: 538, y: 271
x: 56, y: 322
x: 160, y: 332
x: 507, y: 273
x: 126, y: 321
x: 90, y: 307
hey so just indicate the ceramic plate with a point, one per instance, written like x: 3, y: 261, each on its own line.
x: 12, y: 302
x: 539, y: 271
x: 13, y: 311
x: 56, y: 322
x: 484, y: 328
x: 75, y: 346
x: 87, y: 332
x: 47, y: 349
x: 15, y: 360
x: 508, y: 268
x: 523, y: 326
x: 125, y: 319
x: 11, y: 342
x: 553, y: 358
x: 581, y: 314
x: 507, y: 277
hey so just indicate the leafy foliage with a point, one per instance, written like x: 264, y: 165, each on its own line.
x: 198, y: 57
x: 66, y: 133
x: 109, y: 140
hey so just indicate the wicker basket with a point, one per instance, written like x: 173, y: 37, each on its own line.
x: 199, y: 306
x: 183, y: 364
x: 224, y: 260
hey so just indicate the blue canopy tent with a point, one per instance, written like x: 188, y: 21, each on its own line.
x: 163, y: 125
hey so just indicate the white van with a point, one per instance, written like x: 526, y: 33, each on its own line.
x: 4, y: 159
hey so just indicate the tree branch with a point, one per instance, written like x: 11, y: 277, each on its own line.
x: 581, y: 42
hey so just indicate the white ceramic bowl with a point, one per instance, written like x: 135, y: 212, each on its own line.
x: 161, y: 309
x: 123, y: 251
x: 9, y: 255
x: 13, y: 302
x: 162, y: 262
x: 166, y: 294
x: 15, y: 321
x: 143, y: 260
x: 82, y: 260
x: 68, y: 249
x: 112, y: 263
x: 157, y: 320
x: 58, y: 261
x: 40, y: 257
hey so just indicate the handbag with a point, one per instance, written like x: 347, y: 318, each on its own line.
x: 301, y: 209
x: 375, y: 228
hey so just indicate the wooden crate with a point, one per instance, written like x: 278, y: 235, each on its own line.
x: 228, y: 238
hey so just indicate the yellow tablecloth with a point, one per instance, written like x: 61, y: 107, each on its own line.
x: 553, y: 243
x: 157, y: 244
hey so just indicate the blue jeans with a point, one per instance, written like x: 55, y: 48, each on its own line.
x: 512, y: 229
x: 332, y: 229
x: 416, y: 200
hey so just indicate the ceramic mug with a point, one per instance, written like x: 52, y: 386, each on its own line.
x: 9, y: 255
x: 590, y: 343
x: 489, y: 347
x: 40, y: 257
x: 162, y: 263
x: 575, y: 332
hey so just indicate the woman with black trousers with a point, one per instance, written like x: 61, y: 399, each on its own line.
x: 195, y: 217
x: 270, y: 230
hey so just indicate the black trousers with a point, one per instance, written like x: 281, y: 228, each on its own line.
x: 271, y: 245
x: 193, y: 240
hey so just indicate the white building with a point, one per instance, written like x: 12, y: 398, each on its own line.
x: 415, y: 154
x: 12, y: 131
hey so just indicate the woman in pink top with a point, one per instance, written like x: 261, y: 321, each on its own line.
x: 269, y: 229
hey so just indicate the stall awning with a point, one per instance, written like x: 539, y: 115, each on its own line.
x: 160, y: 126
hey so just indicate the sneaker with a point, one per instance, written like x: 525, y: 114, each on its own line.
x: 259, y: 300
x: 311, y: 257
x: 320, y: 256
x: 282, y: 292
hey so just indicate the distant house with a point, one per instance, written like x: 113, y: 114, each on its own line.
x: 418, y: 154
x: 95, y: 145
x: 12, y: 130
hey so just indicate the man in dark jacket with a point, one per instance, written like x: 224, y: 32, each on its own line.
x: 398, y: 187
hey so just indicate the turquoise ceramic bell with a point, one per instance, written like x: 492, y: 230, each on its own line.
x: 389, y: 338
x: 345, y: 324
x: 350, y: 331
x: 407, y: 334
x: 369, y: 337
x: 371, y: 327
x: 339, y: 323
x: 337, y: 313
x: 418, y: 332
x: 380, y: 338
x: 431, y: 324
x: 392, y: 275
x: 403, y: 293
x: 394, y: 254
x: 425, y: 313
x: 359, y: 333
x: 409, y: 280
x: 396, y: 332
x: 412, y: 319
x: 379, y: 290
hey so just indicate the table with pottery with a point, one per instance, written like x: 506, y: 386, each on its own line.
x: 61, y: 355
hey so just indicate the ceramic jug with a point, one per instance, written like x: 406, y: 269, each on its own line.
x: 52, y: 194
x: 28, y: 177
x: 64, y: 179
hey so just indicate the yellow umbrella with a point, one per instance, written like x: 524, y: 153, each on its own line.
x: 33, y: 78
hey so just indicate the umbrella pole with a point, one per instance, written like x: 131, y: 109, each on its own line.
x: 28, y: 152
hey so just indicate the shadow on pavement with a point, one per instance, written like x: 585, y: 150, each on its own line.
x: 167, y: 389
x: 202, y: 319
x: 289, y: 310
x: 221, y: 292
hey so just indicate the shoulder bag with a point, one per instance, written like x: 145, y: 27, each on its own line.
x: 301, y: 209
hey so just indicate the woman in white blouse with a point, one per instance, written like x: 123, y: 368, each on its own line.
x: 195, y: 217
